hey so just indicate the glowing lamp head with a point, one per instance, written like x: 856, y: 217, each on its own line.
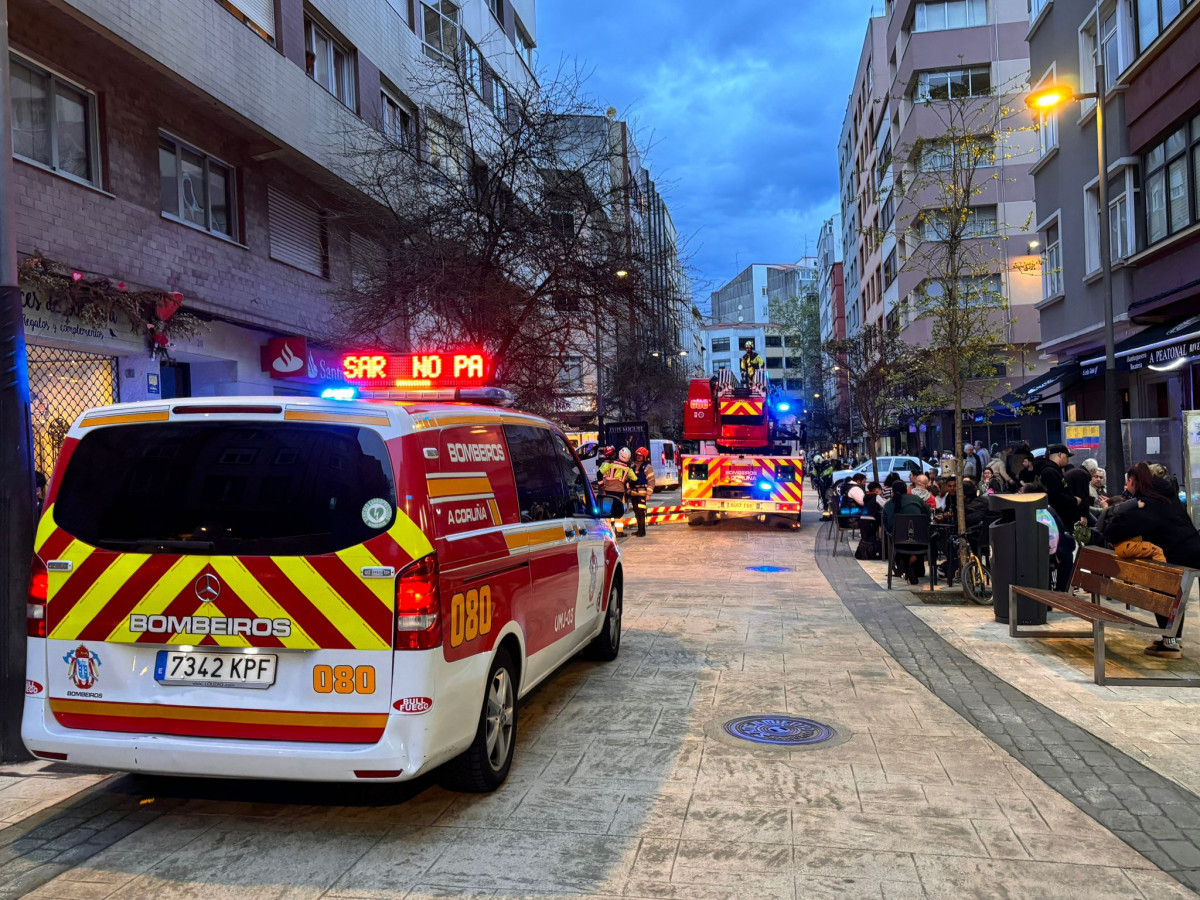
x: 1048, y: 98
x: 784, y: 407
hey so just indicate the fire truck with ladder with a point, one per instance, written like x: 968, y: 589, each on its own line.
x: 745, y: 464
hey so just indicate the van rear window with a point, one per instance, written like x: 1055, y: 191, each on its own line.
x: 227, y: 488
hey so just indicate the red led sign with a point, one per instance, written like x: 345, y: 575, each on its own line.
x: 416, y: 370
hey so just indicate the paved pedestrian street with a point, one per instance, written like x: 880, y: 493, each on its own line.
x: 942, y: 781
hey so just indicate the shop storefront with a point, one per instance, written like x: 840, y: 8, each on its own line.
x: 74, y: 366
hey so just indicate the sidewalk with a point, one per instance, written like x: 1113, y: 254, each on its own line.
x: 28, y: 788
x: 1158, y: 726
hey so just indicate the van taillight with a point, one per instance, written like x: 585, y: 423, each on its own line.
x: 418, y: 603
x: 35, y: 608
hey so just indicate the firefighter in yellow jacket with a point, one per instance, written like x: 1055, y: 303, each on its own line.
x: 616, y: 477
x: 751, y: 363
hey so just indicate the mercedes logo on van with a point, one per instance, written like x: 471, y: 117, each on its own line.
x: 208, y: 588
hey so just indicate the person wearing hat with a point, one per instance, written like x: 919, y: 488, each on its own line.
x: 641, y: 488
x: 751, y: 364
x: 1065, y: 505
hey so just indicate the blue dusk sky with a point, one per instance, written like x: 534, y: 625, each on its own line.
x: 740, y: 103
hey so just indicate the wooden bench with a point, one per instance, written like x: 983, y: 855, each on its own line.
x: 1143, y: 585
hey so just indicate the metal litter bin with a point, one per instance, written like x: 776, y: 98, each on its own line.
x: 1020, y: 554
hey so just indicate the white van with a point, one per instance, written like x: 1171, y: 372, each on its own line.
x: 666, y: 467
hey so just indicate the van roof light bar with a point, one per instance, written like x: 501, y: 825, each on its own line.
x: 486, y: 396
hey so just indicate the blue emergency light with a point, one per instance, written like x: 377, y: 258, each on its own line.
x: 784, y: 407
x: 765, y: 486
x: 339, y: 393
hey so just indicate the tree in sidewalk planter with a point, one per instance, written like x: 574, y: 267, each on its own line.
x: 508, y: 218
x: 647, y: 388
x: 878, y: 368
x: 953, y: 237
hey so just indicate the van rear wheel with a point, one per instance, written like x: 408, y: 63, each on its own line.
x: 607, y: 644
x: 485, y: 764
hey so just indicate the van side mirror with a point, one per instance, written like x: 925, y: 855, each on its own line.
x: 611, y: 508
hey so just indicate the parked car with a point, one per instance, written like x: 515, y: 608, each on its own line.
x: 905, y: 466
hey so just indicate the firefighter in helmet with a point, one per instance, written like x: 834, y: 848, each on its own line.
x: 642, y: 488
x: 616, y: 477
x: 752, y: 364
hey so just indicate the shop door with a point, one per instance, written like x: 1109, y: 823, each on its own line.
x: 62, y: 384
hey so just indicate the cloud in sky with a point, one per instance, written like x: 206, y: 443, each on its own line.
x: 741, y: 104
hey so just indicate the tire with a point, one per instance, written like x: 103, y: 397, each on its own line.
x: 695, y: 521
x: 977, y: 583
x: 485, y: 764
x: 607, y: 644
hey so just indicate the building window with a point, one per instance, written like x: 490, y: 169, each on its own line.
x: 445, y: 145
x: 937, y: 156
x: 257, y: 15
x: 1047, y: 126
x: 571, y: 377
x: 196, y: 189
x: 887, y: 213
x: 1105, y: 36
x: 1035, y: 9
x: 1153, y: 18
x: 939, y: 15
x: 497, y: 8
x: 473, y: 66
x: 980, y: 222
x: 775, y: 340
x: 1052, y: 280
x: 499, y: 99
x: 890, y: 268
x: 1120, y: 236
x: 297, y: 233
x: 720, y: 345
x: 399, y: 119
x: 525, y: 46
x: 54, y: 122
x: 563, y: 226
x: 1168, y: 183
x: 329, y: 63
x: 955, y: 83
x: 440, y: 19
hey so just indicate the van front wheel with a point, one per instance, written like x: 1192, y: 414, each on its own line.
x: 607, y: 644
x: 485, y: 764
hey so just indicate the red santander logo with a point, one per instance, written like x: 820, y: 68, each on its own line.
x: 32, y: 688
x: 413, y: 705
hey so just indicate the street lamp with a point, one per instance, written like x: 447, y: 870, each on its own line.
x: 1044, y: 100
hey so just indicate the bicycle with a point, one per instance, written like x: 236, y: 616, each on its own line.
x: 976, y: 576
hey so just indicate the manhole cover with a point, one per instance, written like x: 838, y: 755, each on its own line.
x: 768, y: 569
x: 779, y: 731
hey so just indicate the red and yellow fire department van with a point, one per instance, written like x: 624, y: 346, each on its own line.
x: 310, y: 589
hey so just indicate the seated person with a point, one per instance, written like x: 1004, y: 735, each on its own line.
x: 904, y: 504
x: 854, y: 492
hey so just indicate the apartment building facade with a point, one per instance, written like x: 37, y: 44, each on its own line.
x: 832, y: 294
x: 197, y: 147
x: 1151, y: 52
x: 865, y: 140
x: 741, y: 314
x: 932, y: 51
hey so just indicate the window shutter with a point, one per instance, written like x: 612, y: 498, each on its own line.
x: 260, y: 12
x: 296, y: 233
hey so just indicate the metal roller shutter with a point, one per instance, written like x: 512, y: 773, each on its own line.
x: 297, y: 235
x: 260, y: 12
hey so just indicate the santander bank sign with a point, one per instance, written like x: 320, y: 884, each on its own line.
x: 292, y: 359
